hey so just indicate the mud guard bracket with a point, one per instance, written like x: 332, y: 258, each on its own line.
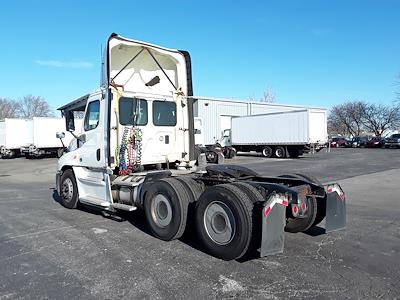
x: 273, y: 225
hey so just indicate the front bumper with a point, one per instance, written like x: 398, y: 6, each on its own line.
x: 392, y: 144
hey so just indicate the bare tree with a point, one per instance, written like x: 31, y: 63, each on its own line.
x: 377, y: 117
x: 34, y: 106
x: 267, y: 97
x: 8, y: 108
x: 347, y: 118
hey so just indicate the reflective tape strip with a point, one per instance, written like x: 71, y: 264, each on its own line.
x: 276, y: 199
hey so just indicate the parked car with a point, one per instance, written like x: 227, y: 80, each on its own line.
x: 339, y: 142
x: 393, y: 141
x: 376, y: 142
x: 359, y: 141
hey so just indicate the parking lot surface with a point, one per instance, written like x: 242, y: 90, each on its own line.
x: 47, y: 251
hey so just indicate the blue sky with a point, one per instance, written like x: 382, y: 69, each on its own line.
x: 317, y: 53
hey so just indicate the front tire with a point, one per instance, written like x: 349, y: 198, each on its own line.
x: 166, y: 206
x: 224, y: 221
x: 69, y: 189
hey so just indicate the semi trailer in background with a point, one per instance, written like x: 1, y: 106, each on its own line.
x: 278, y: 134
x: 14, y: 133
x: 217, y: 113
x: 137, y: 151
x: 44, y: 141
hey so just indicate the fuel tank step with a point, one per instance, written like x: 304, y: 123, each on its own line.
x: 124, y: 207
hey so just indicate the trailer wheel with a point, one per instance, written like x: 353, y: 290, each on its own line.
x: 279, y: 152
x: 69, y: 189
x: 166, y: 205
x: 224, y: 221
x: 267, y: 151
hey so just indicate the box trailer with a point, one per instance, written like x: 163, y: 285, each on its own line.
x: 44, y: 140
x: 137, y: 152
x: 280, y: 134
x: 14, y: 133
x: 217, y: 113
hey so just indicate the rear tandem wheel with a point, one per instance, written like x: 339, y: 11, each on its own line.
x: 224, y: 221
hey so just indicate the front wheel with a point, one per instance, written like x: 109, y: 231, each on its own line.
x: 69, y: 189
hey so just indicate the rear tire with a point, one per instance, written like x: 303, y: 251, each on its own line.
x: 302, y: 224
x: 321, y: 202
x: 257, y: 198
x: 224, y: 221
x: 166, y: 206
x: 69, y: 189
x: 313, y: 206
x: 279, y: 152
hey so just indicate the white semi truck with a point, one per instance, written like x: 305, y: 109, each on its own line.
x: 14, y: 133
x: 136, y: 151
x: 279, y: 134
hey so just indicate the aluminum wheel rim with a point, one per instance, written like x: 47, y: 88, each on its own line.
x: 161, y: 211
x: 67, y: 189
x: 219, y: 223
x: 266, y: 152
x: 279, y: 152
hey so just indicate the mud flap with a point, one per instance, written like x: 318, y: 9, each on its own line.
x: 273, y: 224
x: 221, y: 158
x: 335, y: 208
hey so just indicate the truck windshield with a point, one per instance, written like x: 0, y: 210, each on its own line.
x: 132, y: 111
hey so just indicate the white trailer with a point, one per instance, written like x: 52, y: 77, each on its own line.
x: 14, y: 133
x: 216, y: 113
x: 280, y: 134
x: 44, y: 140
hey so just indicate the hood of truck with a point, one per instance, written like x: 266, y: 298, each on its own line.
x: 144, y: 68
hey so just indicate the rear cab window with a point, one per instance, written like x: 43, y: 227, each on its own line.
x: 132, y: 111
x: 164, y: 113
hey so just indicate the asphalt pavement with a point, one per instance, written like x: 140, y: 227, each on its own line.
x: 50, y: 252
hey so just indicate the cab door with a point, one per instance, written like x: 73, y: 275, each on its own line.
x: 91, y: 170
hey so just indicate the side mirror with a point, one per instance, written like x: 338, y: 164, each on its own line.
x: 60, y: 135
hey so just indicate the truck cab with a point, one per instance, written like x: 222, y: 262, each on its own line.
x: 139, y: 119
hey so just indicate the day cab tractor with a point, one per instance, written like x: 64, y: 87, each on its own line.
x: 136, y: 151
